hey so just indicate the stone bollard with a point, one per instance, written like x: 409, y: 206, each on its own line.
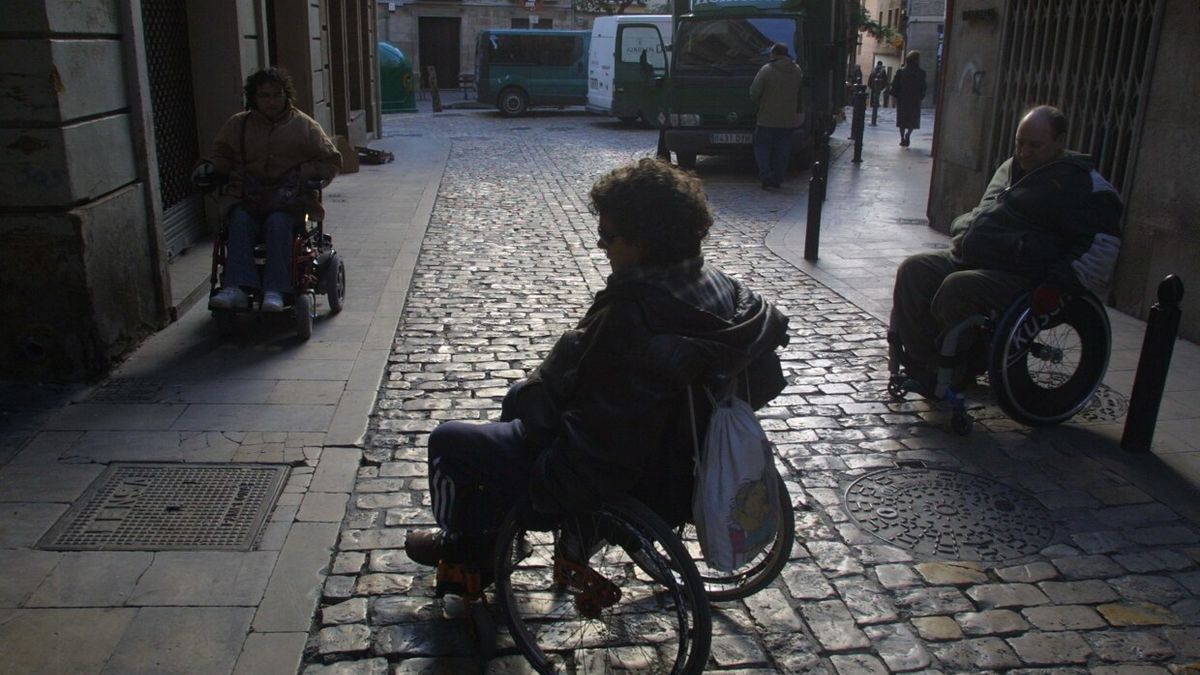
x: 858, y: 121
x: 1151, y: 377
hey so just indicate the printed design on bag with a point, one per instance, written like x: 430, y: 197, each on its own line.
x: 753, y: 526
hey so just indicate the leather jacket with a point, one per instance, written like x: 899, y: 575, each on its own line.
x: 617, y: 385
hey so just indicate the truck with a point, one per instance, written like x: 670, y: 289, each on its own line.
x: 628, y: 53
x: 718, y: 48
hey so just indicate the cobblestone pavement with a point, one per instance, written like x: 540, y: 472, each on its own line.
x: 1048, y: 560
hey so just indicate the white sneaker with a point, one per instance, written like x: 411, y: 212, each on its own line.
x: 272, y: 302
x: 229, y: 298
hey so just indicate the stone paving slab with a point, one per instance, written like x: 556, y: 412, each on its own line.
x: 181, y: 640
x: 61, y: 640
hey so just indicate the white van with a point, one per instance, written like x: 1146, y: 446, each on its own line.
x: 626, y: 55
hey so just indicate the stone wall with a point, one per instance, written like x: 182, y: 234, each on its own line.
x: 79, y: 268
x: 1162, y: 229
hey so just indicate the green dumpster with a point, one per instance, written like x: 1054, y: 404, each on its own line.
x: 396, y: 80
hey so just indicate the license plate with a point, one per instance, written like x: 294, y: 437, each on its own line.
x: 730, y: 139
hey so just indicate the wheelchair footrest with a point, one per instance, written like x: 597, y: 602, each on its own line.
x: 459, y: 579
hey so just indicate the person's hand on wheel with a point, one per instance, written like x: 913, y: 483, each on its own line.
x: 1045, y: 300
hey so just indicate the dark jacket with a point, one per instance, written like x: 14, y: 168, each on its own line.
x: 908, y: 88
x: 776, y: 92
x: 618, y: 383
x: 253, y: 147
x: 1036, y: 223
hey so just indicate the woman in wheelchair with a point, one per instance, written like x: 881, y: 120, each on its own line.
x: 1046, y: 229
x: 606, y: 413
x: 274, y: 158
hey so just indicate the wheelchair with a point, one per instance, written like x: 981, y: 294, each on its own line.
x: 316, y: 269
x: 609, y: 590
x: 1043, y: 369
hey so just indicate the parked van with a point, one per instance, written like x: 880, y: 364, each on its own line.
x: 517, y: 69
x: 627, y: 54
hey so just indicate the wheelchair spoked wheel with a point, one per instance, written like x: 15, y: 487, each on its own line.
x: 1044, y: 369
x: 757, y: 573
x: 574, y: 601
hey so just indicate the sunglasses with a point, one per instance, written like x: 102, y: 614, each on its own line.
x: 606, y: 236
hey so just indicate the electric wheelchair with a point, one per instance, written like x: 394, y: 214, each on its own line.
x: 316, y: 268
x: 1043, y: 369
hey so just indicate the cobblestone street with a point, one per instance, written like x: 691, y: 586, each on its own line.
x: 1055, y: 560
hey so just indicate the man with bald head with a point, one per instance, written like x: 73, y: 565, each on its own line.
x: 1047, y: 221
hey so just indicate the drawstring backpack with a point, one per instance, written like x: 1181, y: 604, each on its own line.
x: 735, y: 498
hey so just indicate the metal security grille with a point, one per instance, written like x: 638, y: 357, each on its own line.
x: 1092, y: 59
x: 169, y: 70
x: 162, y: 507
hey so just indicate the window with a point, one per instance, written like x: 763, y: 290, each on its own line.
x: 638, y: 42
x: 540, y: 50
x: 728, y: 44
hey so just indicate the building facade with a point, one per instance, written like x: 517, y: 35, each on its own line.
x: 107, y: 105
x: 1120, y: 70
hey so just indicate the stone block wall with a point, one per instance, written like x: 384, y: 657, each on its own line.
x: 79, y: 283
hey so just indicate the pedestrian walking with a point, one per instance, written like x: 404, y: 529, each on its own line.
x: 877, y: 82
x: 776, y: 92
x: 908, y: 86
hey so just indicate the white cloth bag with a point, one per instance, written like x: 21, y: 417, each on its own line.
x: 735, y: 501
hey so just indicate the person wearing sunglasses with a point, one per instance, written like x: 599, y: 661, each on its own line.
x: 607, y: 411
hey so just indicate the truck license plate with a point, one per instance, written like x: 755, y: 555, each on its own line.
x: 730, y: 138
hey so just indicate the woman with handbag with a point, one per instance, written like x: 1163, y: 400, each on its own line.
x: 271, y: 154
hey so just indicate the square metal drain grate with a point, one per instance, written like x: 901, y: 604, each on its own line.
x: 169, y: 507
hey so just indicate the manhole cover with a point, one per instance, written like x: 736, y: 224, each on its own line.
x: 949, y: 514
x: 912, y: 221
x: 936, y: 245
x: 1105, y: 405
x: 163, y: 507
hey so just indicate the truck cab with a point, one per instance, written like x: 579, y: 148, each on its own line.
x: 719, y: 46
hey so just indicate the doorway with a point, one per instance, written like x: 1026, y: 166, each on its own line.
x: 438, y: 46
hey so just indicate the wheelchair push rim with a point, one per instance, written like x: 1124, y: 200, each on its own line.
x: 576, y: 601
x: 1045, y: 369
x: 758, y: 572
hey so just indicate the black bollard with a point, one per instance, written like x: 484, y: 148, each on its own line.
x: 858, y: 121
x: 812, y: 231
x: 1151, y: 377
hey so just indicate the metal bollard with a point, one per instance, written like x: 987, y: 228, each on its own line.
x: 1151, y: 377
x: 858, y: 120
x: 816, y: 195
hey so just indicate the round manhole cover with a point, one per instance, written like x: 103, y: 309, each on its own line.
x: 1106, y: 405
x: 949, y: 514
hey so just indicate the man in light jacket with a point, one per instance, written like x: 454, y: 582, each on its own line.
x: 776, y: 92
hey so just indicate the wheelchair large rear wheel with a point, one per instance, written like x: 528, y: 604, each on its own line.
x: 1044, y: 369
x: 575, y: 601
x: 759, y: 571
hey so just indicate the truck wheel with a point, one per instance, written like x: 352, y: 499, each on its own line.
x: 512, y: 102
x: 685, y: 160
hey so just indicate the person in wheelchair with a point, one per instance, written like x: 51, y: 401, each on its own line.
x: 1048, y: 221
x: 273, y: 157
x: 607, y: 411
